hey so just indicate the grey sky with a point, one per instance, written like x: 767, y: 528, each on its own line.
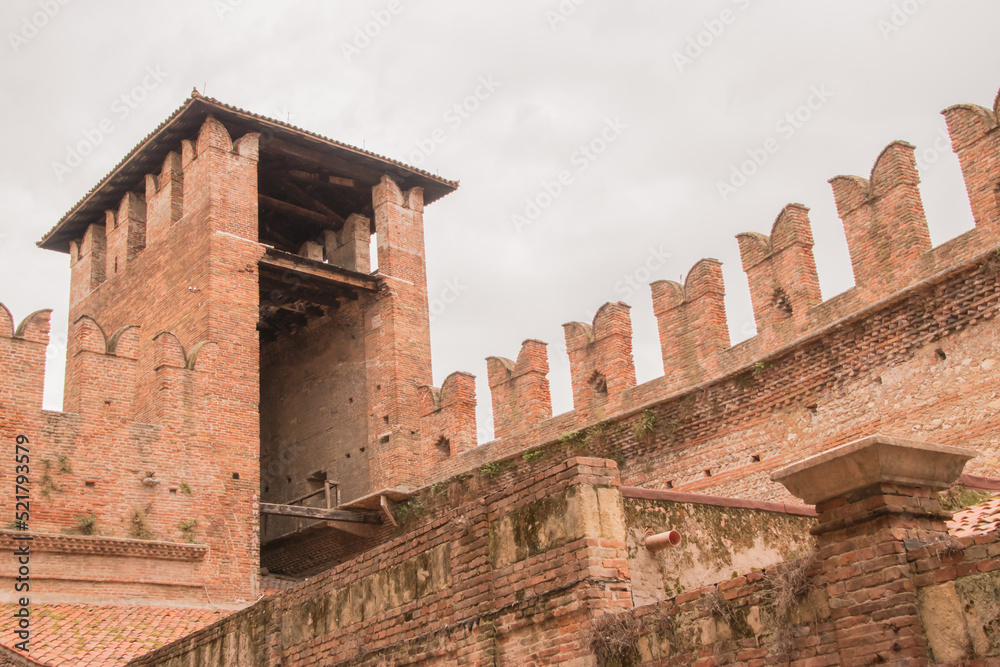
x: 551, y: 77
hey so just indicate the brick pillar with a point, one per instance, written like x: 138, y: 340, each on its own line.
x: 397, y: 338
x: 87, y: 259
x: 876, y: 498
x: 351, y: 246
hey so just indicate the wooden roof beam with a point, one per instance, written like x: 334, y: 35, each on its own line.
x: 331, y: 221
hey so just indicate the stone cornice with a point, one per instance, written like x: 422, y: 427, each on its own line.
x: 103, y: 546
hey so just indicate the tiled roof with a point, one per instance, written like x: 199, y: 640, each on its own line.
x: 147, y: 157
x: 80, y: 635
x: 976, y: 520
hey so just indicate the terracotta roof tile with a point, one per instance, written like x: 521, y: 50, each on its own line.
x: 197, y: 104
x: 976, y: 520
x: 79, y: 635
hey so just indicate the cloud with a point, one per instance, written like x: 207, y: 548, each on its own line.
x: 657, y: 185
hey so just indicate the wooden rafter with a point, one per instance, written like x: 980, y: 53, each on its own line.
x: 324, y: 179
x: 326, y: 220
x: 318, y: 513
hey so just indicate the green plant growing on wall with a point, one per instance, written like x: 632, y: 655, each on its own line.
x: 494, y: 469
x: 64, y: 465
x: 670, y: 428
x: 532, y: 456
x: 185, y: 488
x: 597, y: 435
x: 86, y: 523
x: 138, y: 524
x: 48, y: 485
x: 571, y: 438
x: 187, y: 527
x: 645, y: 427
x: 761, y: 366
x: 958, y: 498
x: 992, y: 262
x: 407, y: 510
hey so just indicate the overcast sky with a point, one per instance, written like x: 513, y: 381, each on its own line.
x: 670, y: 98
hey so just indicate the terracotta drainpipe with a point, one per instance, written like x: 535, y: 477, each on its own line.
x: 661, y: 541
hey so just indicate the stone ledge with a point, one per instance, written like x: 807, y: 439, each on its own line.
x: 876, y: 459
x: 103, y: 546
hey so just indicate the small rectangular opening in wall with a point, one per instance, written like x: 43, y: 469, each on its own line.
x: 755, y: 458
x: 384, y: 439
x: 317, y: 480
x: 708, y: 472
x: 90, y: 485
x: 670, y: 483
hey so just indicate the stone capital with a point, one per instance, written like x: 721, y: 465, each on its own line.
x: 873, y: 460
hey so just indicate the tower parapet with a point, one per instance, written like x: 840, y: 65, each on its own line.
x: 975, y: 137
x: 600, y: 357
x: 520, y: 390
x: 692, y: 322
x: 884, y: 220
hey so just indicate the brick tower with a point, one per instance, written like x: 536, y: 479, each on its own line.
x: 229, y: 345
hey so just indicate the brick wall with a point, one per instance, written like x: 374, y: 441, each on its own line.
x: 537, y: 570
x: 720, y: 537
x: 513, y: 575
x: 161, y: 423
x: 313, y: 410
x: 910, y: 349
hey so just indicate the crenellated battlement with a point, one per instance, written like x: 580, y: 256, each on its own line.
x: 225, y: 322
x: 139, y: 480
x: 600, y: 357
x: 891, y: 253
x: 884, y: 220
x: 691, y: 319
x: 145, y: 215
x: 975, y: 137
x: 448, y: 415
x: 22, y: 361
x: 520, y: 390
x: 781, y: 270
x: 101, y: 369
